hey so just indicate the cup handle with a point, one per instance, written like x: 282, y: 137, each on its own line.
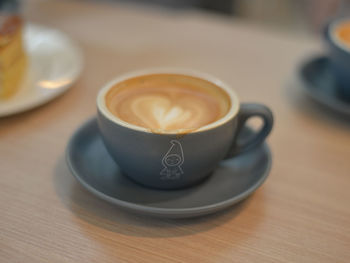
x: 248, y: 110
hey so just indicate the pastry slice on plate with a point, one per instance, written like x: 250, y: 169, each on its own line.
x: 13, y: 60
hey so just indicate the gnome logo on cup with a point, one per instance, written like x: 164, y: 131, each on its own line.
x: 172, y: 162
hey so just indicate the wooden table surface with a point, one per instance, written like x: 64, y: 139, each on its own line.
x: 300, y: 214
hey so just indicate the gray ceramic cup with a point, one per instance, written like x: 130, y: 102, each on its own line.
x: 169, y: 160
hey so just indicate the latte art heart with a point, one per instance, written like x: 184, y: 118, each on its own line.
x: 163, y: 103
x: 160, y: 112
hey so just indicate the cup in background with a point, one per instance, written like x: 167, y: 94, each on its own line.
x: 339, y: 55
x: 169, y: 160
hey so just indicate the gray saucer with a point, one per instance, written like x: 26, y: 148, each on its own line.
x: 233, y: 180
x: 320, y: 85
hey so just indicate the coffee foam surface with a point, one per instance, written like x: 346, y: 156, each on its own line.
x: 167, y: 102
x: 341, y: 33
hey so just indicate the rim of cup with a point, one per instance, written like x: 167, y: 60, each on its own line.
x: 232, y: 112
x: 332, y: 27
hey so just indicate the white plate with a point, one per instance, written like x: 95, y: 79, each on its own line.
x: 55, y: 62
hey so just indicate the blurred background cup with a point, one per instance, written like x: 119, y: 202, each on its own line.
x: 337, y: 36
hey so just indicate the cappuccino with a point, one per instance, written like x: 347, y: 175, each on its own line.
x: 167, y: 102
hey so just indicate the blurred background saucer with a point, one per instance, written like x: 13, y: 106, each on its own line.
x: 55, y: 64
x: 319, y: 83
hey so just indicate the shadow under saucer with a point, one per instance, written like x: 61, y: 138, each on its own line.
x: 90, y: 210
